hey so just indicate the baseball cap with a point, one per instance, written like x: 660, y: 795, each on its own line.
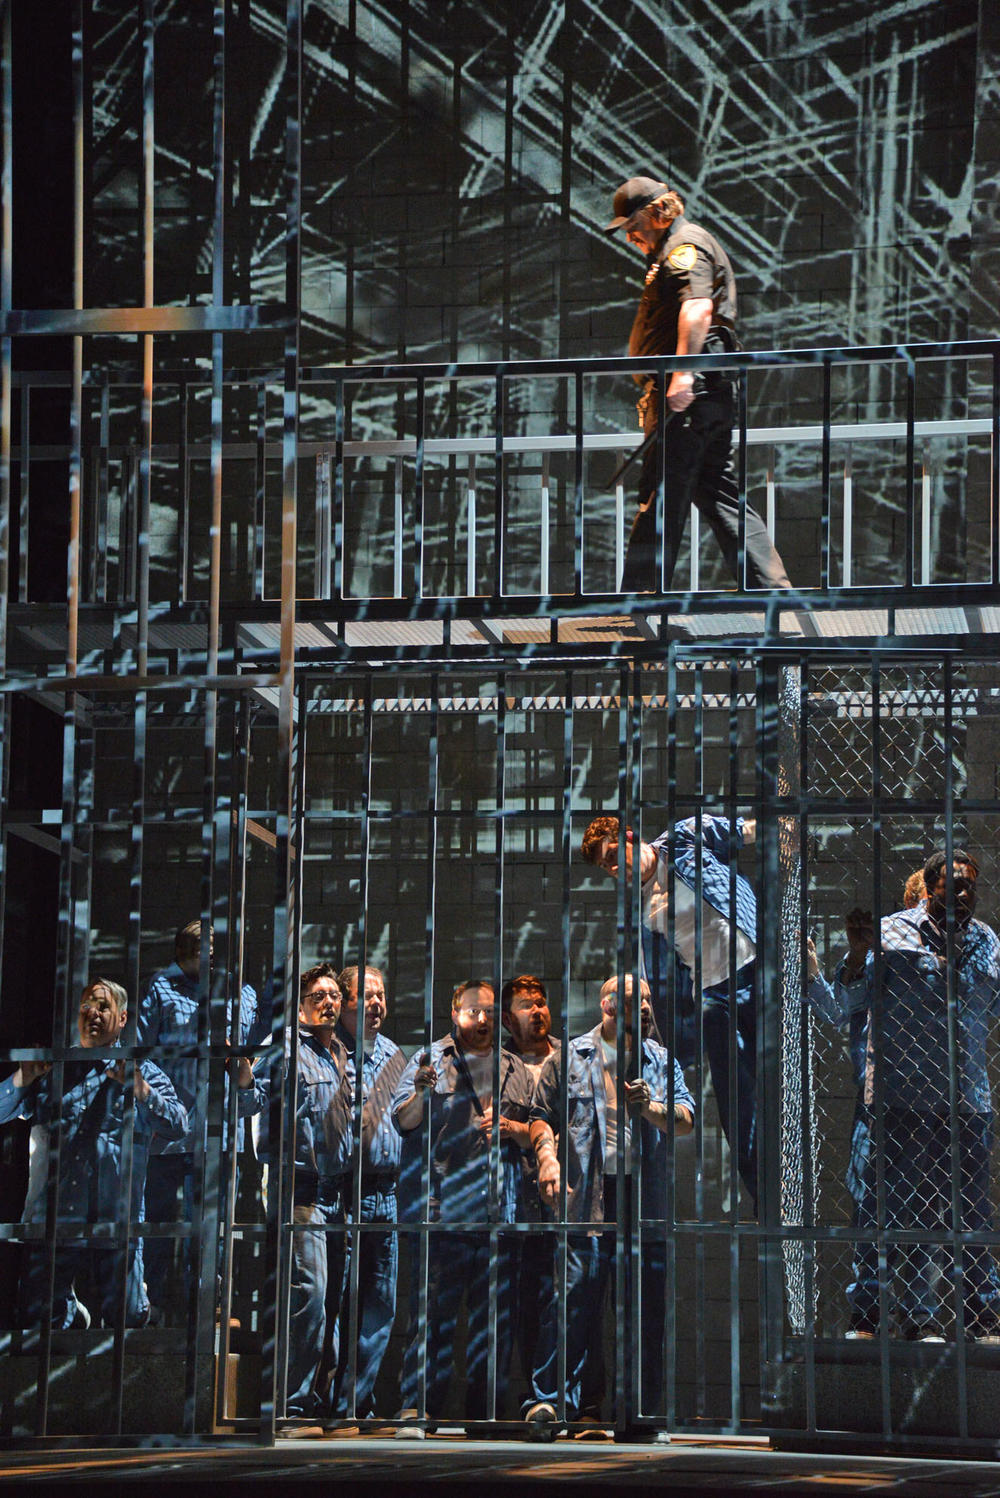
x: 636, y: 193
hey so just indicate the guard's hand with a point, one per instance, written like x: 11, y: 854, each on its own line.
x: 637, y: 1096
x: 680, y: 391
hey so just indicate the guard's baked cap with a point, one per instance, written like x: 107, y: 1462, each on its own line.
x: 636, y: 193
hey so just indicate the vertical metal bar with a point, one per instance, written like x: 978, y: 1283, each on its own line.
x: 670, y: 1041
x: 497, y: 1237
x: 133, y: 940
x: 847, y: 566
x: 578, y: 484
x: 742, y: 392
x: 470, y: 524
x: 768, y: 871
x: 397, y: 530
x: 735, y: 1380
x: 695, y: 548
x: 631, y: 1323
x: 321, y: 584
x: 52, y: 1235
x: 184, y: 498
x: 286, y: 913
x: 419, y: 493
x: 420, y: 1260
x: 770, y: 494
x: 499, y: 490
x: 146, y: 448
x: 629, y: 903
x: 215, y: 521
x: 925, y: 517
x: 218, y: 300
x: 955, y: 1249
x: 355, y: 1238
x: 283, y: 1066
x: 876, y: 1050
x: 911, y: 402
x: 24, y: 511
x: 697, y: 749
x: 227, y: 921
x: 995, y: 471
x: 6, y: 348
x: 808, y: 1182
x: 824, y: 514
x: 561, y: 1258
x: 99, y: 539
x: 76, y: 397
x: 545, y: 527
x: 339, y: 496
x: 260, y: 489
x: 226, y: 1029
x: 619, y: 525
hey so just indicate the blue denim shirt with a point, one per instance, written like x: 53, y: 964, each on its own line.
x: 716, y: 842
x: 168, y: 1015
x: 588, y: 1123
x: 460, y: 1154
x: 90, y: 1154
x: 382, y: 1067
x: 912, y: 1048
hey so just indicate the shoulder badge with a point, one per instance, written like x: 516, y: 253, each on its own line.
x: 683, y: 257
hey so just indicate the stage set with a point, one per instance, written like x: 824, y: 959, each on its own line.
x: 541, y: 970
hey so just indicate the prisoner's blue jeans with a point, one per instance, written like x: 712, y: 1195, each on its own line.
x: 717, y: 1031
x: 458, y: 1270
x: 168, y: 1197
x: 378, y: 1261
x: 590, y: 1261
x: 716, y: 1026
x: 917, y: 1171
x: 74, y: 1262
x: 318, y: 1254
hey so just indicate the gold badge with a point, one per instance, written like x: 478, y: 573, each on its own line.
x: 683, y: 256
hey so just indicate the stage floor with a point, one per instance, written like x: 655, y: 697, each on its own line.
x: 686, y: 1466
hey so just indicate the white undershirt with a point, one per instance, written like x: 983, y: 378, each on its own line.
x: 714, y: 929
x: 611, y: 1113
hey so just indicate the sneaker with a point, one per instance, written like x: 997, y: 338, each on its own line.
x: 541, y: 1421
x: 591, y: 1429
x: 860, y: 1330
x: 407, y: 1429
x: 292, y: 1432
x: 982, y: 1329
x: 921, y: 1331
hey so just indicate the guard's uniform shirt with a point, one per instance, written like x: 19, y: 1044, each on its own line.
x: 687, y: 263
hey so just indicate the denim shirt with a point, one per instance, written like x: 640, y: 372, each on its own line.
x: 168, y: 1015
x: 912, y: 1049
x: 381, y: 1070
x: 90, y: 1154
x: 588, y: 1123
x: 716, y: 842
x: 460, y: 1154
